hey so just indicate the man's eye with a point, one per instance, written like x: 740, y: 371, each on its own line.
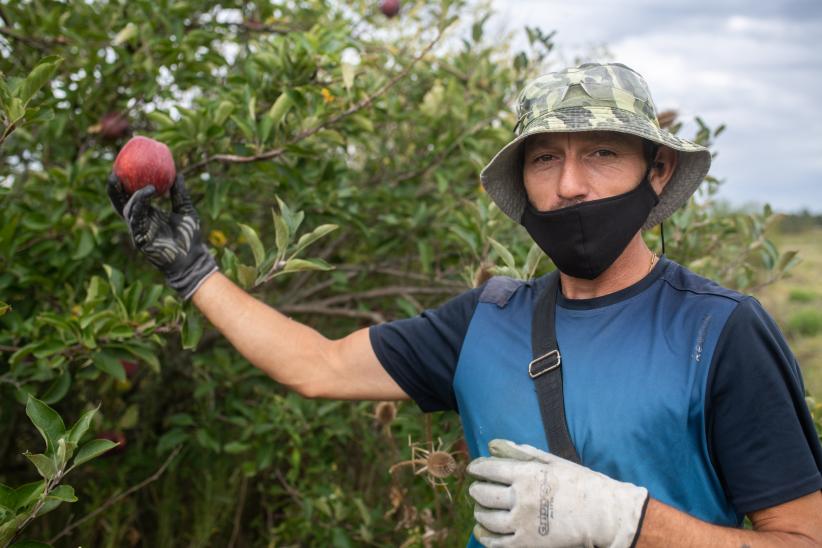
x: 543, y: 158
x: 604, y: 153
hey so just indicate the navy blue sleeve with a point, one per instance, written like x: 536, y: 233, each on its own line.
x: 761, y: 435
x: 421, y: 353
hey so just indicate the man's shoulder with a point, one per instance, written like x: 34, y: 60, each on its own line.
x: 681, y: 279
x: 499, y: 290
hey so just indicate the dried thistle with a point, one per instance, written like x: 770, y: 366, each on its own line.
x: 396, y: 496
x: 435, y: 462
x: 385, y: 412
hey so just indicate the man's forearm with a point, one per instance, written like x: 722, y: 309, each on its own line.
x: 671, y: 528
x: 291, y: 353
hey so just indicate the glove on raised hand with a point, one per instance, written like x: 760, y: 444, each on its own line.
x: 170, y: 241
x: 527, y: 497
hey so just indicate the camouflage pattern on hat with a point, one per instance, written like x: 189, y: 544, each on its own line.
x: 591, y: 97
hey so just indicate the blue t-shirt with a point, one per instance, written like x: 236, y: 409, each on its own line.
x: 674, y: 383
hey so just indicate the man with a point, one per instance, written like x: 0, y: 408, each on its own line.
x: 682, y: 400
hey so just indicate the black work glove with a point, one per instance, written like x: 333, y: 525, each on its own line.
x: 170, y: 241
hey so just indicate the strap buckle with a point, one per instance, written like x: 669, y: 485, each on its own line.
x: 545, y: 363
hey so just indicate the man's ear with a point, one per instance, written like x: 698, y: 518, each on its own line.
x: 663, y: 168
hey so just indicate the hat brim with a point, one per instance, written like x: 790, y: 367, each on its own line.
x: 502, y: 177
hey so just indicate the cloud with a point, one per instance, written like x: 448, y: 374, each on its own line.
x: 752, y: 66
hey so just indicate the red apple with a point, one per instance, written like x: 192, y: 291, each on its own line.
x: 130, y: 368
x: 117, y: 437
x: 143, y: 162
x: 390, y: 8
x: 113, y: 126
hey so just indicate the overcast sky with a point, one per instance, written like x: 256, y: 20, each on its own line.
x: 755, y: 66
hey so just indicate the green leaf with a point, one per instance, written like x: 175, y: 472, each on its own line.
x: 79, y: 429
x: 45, y: 465
x: 245, y: 127
x: 130, y: 417
x: 28, y: 494
x: 503, y: 252
x: 115, y: 279
x: 246, y: 275
x: 363, y: 122
x: 85, y: 246
x: 58, y: 388
x: 254, y: 242
x: 9, y: 529
x: 16, y: 110
x: 291, y: 218
x: 786, y: 261
x: 38, y: 77
x: 280, y: 107
x: 264, y: 129
x: 192, y: 329
x: 295, y: 265
x: 49, y: 347
x: 206, y: 440
x: 235, y: 447
x: 252, y: 108
x: 93, y: 449
x: 64, y: 493
x: 144, y: 354
x: 4, y: 308
x: 532, y: 261
x: 224, y: 110
x: 163, y: 121
x: 308, y: 239
x: 171, y: 439
x: 47, y: 421
x: 282, y: 234
x: 6, y: 497
x: 126, y: 34
x: 109, y: 364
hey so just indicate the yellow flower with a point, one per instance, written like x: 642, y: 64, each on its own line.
x: 327, y: 97
x: 217, y: 238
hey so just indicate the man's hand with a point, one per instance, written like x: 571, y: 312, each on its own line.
x: 527, y: 497
x: 170, y: 241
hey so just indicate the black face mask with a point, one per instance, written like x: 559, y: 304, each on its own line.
x: 585, y: 239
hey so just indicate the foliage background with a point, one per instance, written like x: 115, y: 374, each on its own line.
x: 288, y: 119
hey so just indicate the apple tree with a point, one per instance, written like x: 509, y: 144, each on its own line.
x: 333, y: 154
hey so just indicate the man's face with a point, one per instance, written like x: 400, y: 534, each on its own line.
x: 563, y: 169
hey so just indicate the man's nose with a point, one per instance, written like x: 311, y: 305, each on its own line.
x: 573, y: 184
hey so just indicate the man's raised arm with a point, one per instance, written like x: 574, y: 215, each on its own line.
x: 292, y: 353
x: 289, y: 352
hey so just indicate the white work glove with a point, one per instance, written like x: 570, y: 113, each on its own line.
x: 527, y: 497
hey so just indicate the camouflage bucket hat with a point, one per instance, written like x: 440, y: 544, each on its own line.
x: 591, y: 97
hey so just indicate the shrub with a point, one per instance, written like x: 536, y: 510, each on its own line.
x: 807, y: 322
x: 802, y: 295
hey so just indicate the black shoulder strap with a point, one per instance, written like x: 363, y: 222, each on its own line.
x: 546, y: 371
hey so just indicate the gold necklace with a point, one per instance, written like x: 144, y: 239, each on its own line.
x: 653, y: 260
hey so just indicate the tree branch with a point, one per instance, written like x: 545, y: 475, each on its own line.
x: 42, y: 44
x: 402, y: 274
x: 390, y: 291
x: 363, y: 103
x: 120, y: 496
x: 374, y: 317
x: 238, y: 514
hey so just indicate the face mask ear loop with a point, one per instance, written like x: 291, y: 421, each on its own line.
x: 662, y: 234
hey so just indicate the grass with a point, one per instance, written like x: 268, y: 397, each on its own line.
x: 795, y: 302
